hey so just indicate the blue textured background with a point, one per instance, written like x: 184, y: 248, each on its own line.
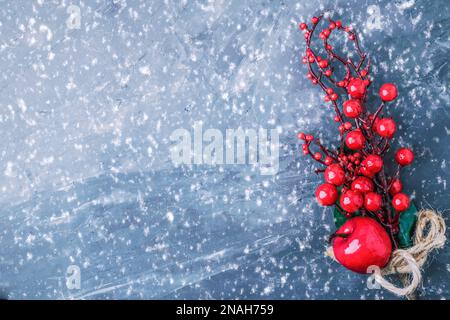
x: 85, y: 174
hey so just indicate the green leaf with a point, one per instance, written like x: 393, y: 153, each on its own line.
x: 407, y: 224
x: 339, y: 218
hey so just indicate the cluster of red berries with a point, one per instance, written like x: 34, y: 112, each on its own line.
x: 354, y: 174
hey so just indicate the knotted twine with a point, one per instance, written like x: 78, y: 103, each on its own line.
x: 407, y: 263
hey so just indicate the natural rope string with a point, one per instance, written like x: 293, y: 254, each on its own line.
x: 429, y: 235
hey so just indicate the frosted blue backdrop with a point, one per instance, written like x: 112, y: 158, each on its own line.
x: 85, y: 174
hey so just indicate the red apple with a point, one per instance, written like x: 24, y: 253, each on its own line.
x: 362, y: 242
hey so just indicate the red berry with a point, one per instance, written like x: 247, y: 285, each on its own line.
x: 329, y: 47
x: 335, y: 174
x: 372, y: 201
x: 302, y: 26
x: 314, y: 81
x: 373, y: 162
x: 364, y: 171
x: 317, y: 156
x: 362, y: 184
x: 329, y: 90
x: 351, y: 36
x: 309, y: 137
x: 311, y: 59
x: 400, y: 202
x: 309, y: 75
x: 332, y: 25
x: 314, y: 20
x: 351, y: 201
x: 388, y: 92
x: 356, y: 88
x: 323, y: 63
x: 336, y: 119
x: 328, y: 161
x: 396, y: 187
x: 326, y: 32
x: 347, y: 125
x: 404, y: 156
x: 334, y: 97
x: 363, y: 73
x: 326, y: 194
x: 301, y: 136
x: 327, y: 98
x: 352, y: 108
x: 328, y: 73
x: 355, y: 140
x: 386, y: 127
x: 339, y: 23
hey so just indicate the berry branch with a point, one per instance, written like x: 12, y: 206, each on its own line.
x: 355, y: 178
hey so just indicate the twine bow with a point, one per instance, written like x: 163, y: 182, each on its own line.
x: 407, y: 263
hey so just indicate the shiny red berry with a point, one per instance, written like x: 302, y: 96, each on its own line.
x: 386, y: 127
x: 323, y: 63
x: 328, y: 73
x: 328, y: 161
x: 326, y: 194
x: 388, y: 92
x: 309, y: 137
x: 404, y: 156
x: 301, y: 136
x: 396, y: 187
x: 362, y: 184
x: 355, y: 140
x: 332, y: 25
x: 314, y: 20
x: 302, y: 26
x: 339, y: 23
x: 335, y: 174
x: 356, y: 88
x: 317, y: 156
x: 400, y: 202
x: 352, y: 108
x: 366, y: 172
x: 351, y: 201
x: 373, y: 162
x: 372, y: 201
x: 347, y: 125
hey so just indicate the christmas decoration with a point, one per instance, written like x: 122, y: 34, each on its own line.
x: 375, y: 221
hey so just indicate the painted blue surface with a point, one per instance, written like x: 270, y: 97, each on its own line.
x: 85, y: 119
